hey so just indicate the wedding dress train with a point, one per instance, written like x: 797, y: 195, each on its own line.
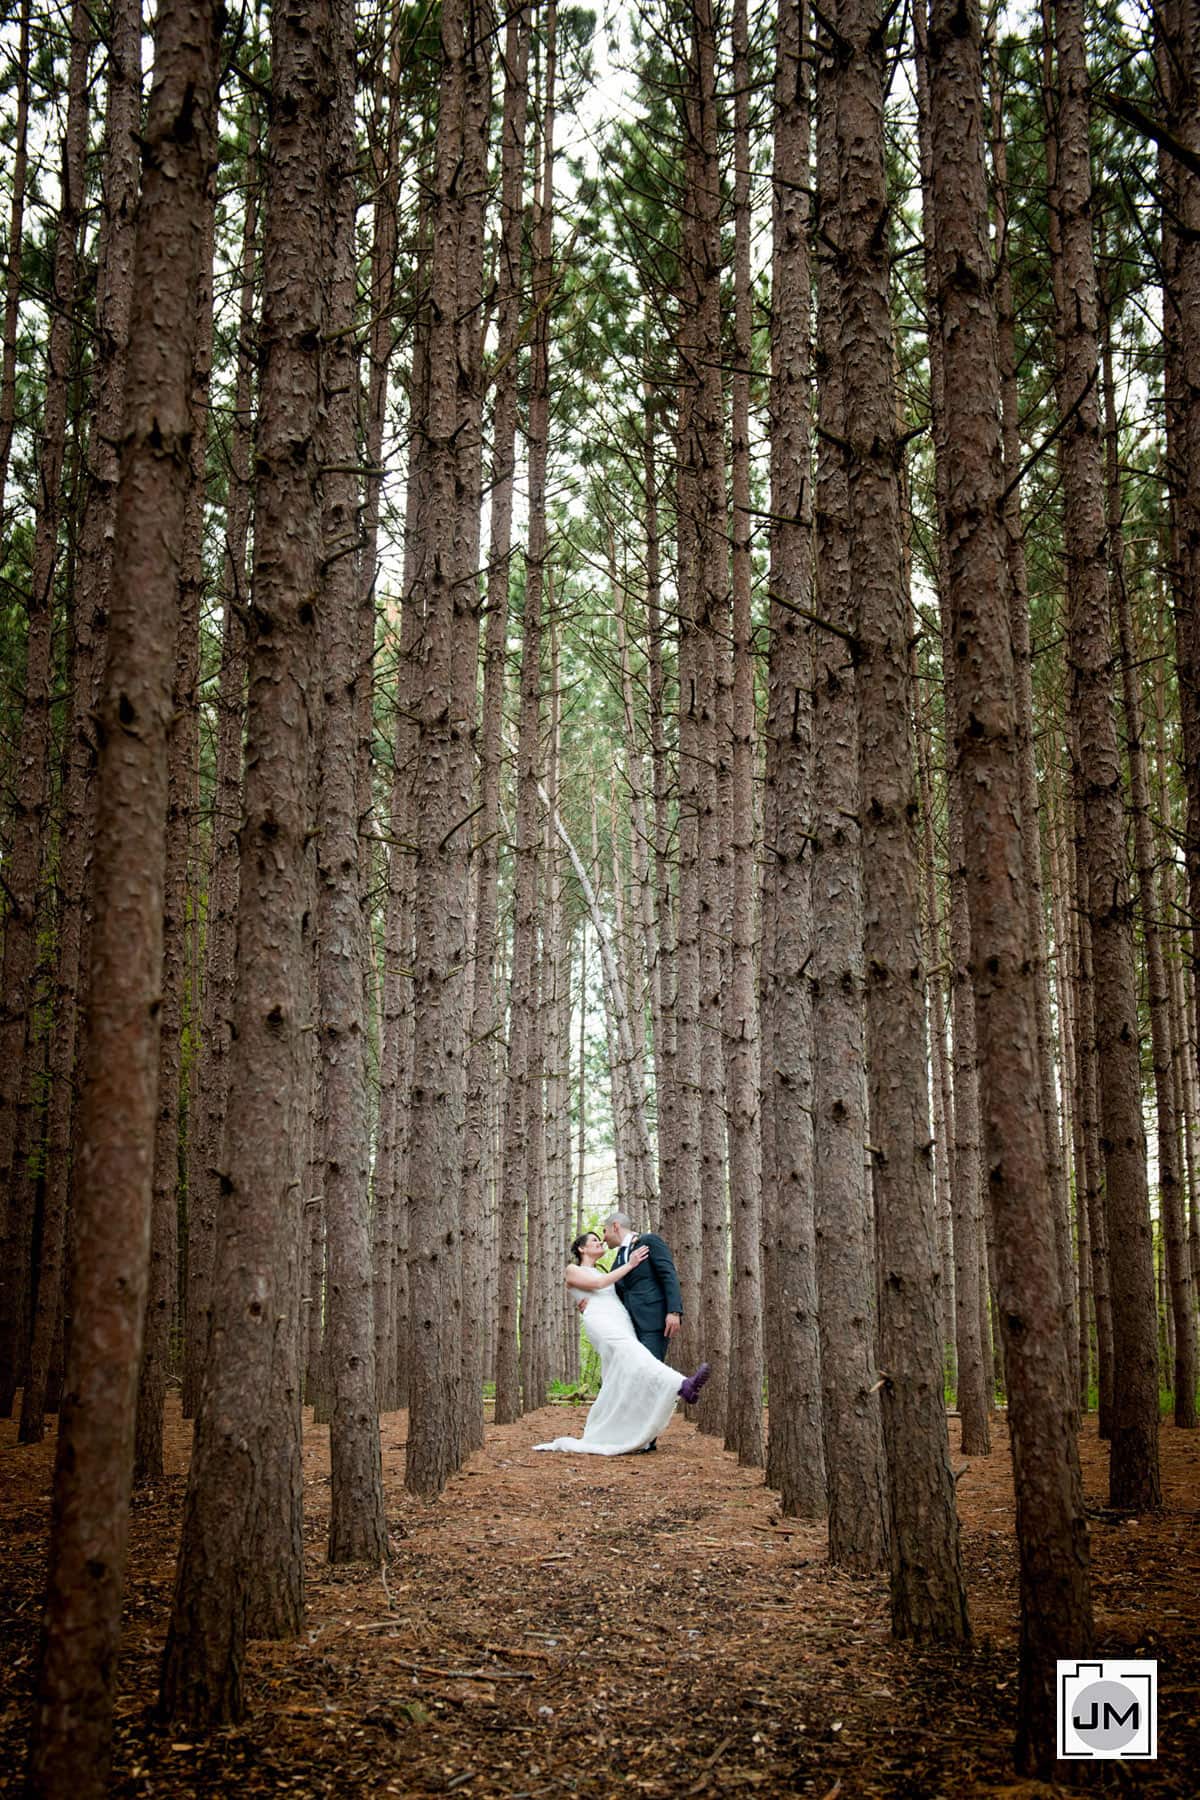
x: 637, y: 1392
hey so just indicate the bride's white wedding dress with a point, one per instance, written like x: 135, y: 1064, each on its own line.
x: 637, y: 1392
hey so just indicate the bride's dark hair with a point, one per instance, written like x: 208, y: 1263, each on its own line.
x: 580, y: 1241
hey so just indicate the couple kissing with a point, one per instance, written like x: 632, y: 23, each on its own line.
x: 630, y: 1314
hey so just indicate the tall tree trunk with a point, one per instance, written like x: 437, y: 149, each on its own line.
x: 1023, y: 655
x: 1065, y: 985
x: 1056, y: 1613
x: 744, y: 1422
x: 240, y: 1562
x: 72, y: 1721
x: 211, y: 1087
x: 1178, y: 59
x: 522, y: 1071
x: 183, y: 751
x: 943, y: 1094
x: 385, y: 163
x: 484, y: 1011
x: 967, y: 1199
x: 557, y: 1004
x: 686, y: 1228
x: 89, y: 597
x: 26, y: 844
x: 928, y: 1597
x: 1089, y: 1108
x: 639, y: 956
x: 1172, y: 1202
x: 445, y: 711
x: 665, y: 1032
x: 16, y: 243
x: 712, y: 577
x: 357, y: 1532
x: 795, y: 1463
x: 1133, y: 1468
x: 855, y: 1471
x: 391, y: 1162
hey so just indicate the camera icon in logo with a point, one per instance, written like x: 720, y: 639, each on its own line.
x: 1107, y: 1709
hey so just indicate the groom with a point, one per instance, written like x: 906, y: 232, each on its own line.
x: 651, y: 1292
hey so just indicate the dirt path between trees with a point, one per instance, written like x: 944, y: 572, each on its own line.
x: 557, y: 1626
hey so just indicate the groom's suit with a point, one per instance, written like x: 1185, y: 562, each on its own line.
x: 650, y: 1291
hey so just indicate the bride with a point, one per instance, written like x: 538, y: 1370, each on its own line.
x: 637, y: 1392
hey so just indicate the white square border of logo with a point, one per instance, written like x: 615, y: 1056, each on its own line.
x: 1138, y: 1676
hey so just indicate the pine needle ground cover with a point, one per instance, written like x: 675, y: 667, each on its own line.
x: 558, y: 1626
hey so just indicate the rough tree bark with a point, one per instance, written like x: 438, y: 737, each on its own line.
x: 712, y: 640
x: 522, y: 1072
x: 928, y: 1597
x: 1056, y: 1613
x: 744, y: 1420
x: 444, y: 703
x: 73, y: 1711
x: 967, y: 1198
x: 1171, y: 1196
x: 1019, y: 612
x: 211, y: 1086
x: 28, y: 819
x: 183, y: 751
x: 664, y: 901
x: 240, y: 1564
x: 855, y: 1469
x: 484, y: 1019
x: 795, y: 1463
x: 357, y: 1530
x: 89, y: 602
x: 16, y: 238
x: 1133, y: 1467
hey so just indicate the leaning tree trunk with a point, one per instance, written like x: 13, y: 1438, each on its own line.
x: 795, y: 1464
x: 240, y: 1562
x: 1056, y: 1614
x: 928, y: 1597
x: 72, y: 1721
x: 1133, y: 1467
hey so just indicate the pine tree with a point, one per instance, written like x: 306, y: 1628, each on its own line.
x: 1052, y: 1533
x: 73, y: 1713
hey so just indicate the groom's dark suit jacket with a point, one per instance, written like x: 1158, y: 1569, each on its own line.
x: 650, y: 1292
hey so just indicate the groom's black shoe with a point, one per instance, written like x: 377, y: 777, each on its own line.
x: 647, y: 1448
x: 689, y: 1389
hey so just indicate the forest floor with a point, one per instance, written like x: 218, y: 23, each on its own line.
x: 577, y: 1626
